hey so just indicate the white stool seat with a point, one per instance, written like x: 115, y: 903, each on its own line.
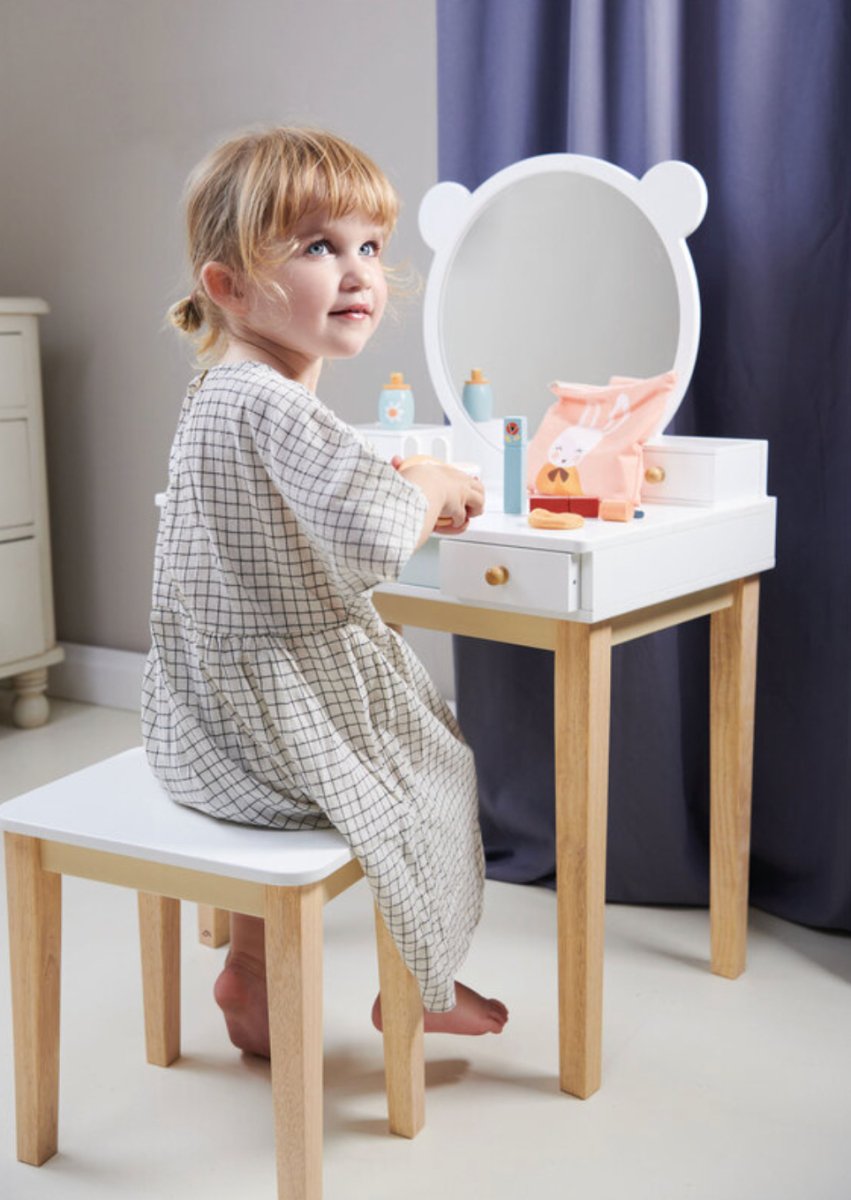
x: 118, y: 806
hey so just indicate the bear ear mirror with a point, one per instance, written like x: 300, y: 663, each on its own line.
x: 559, y: 267
x: 442, y: 212
x: 674, y: 195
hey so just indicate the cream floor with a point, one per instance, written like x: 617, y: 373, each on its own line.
x: 712, y: 1089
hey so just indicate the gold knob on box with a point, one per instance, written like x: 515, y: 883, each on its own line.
x: 496, y: 575
x: 655, y: 474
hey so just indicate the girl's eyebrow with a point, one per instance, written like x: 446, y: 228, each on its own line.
x: 316, y: 233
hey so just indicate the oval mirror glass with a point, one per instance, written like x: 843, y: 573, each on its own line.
x: 556, y: 271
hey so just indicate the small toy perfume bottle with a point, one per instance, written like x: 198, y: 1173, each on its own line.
x: 477, y: 396
x: 514, y: 465
x: 396, y: 403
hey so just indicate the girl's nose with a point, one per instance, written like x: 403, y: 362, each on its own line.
x: 357, y: 272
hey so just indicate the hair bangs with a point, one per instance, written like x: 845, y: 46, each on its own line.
x: 330, y: 176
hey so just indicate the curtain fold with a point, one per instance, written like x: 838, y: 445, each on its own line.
x: 757, y: 95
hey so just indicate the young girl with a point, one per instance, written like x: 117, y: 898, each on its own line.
x: 274, y: 694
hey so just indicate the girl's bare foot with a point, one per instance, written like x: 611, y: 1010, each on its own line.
x: 472, y: 1015
x: 240, y: 990
x: 240, y: 993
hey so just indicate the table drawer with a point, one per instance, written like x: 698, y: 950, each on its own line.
x: 12, y: 390
x: 540, y: 581
x: 21, y: 610
x: 16, y: 506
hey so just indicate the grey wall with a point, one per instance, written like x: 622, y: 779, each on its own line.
x: 106, y: 105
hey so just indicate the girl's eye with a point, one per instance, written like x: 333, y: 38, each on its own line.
x: 370, y: 249
x: 319, y: 249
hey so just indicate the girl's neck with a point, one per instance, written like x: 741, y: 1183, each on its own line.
x: 240, y: 350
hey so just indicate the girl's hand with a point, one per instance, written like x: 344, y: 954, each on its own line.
x: 453, y: 496
x: 465, y: 498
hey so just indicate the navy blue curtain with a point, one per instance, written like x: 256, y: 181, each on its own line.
x: 757, y: 95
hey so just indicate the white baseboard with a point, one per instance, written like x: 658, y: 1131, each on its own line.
x: 98, y: 675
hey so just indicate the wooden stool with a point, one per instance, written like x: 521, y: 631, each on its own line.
x: 112, y: 822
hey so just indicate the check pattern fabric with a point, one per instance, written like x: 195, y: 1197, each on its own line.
x: 273, y: 693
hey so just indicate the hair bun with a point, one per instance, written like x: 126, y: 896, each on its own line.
x: 186, y: 315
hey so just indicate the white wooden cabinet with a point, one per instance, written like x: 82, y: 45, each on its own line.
x: 27, y: 632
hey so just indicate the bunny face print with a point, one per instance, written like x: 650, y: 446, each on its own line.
x: 590, y: 441
x: 575, y: 442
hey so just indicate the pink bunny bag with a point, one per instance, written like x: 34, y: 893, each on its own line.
x: 590, y: 442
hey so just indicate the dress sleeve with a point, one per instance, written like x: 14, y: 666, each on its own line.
x: 355, y: 507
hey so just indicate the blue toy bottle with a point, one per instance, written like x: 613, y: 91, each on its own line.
x: 477, y: 397
x: 396, y: 403
x: 514, y: 495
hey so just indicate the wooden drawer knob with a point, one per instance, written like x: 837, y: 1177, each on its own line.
x: 655, y: 474
x: 496, y: 575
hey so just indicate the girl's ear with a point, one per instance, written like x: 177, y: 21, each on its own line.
x: 221, y: 285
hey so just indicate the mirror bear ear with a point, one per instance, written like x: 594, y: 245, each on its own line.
x: 442, y: 211
x: 674, y: 195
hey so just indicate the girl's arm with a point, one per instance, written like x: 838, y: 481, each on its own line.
x: 451, y: 495
x: 367, y: 518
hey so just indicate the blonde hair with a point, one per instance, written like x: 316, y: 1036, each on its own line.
x: 244, y: 200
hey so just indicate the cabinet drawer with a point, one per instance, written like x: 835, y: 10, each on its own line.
x: 21, y: 614
x: 12, y: 389
x: 16, y: 506
x: 684, y: 470
x: 532, y: 580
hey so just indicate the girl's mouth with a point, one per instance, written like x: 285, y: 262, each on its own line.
x: 355, y: 312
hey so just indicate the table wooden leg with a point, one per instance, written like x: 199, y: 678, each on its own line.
x: 733, y: 641
x: 159, y: 936
x: 294, y: 979
x: 35, y: 939
x: 402, y: 1021
x: 213, y: 926
x: 582, y: 714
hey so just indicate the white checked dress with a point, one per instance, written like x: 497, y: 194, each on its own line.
x: 274, y: 694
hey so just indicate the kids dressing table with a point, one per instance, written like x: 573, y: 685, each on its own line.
x: 567, y: 267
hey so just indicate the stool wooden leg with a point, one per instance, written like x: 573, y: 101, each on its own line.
x: 294, y: 980
x: 213, y: 926
x: 159, y: 934
x: 582, y: 713
x: 35, y: 938
x: 402, y: 1020
x: 733, y: 682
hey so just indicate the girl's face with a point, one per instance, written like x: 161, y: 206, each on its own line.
x: 334, y: 293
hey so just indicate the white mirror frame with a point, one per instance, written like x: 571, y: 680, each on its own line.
x: 672, y: 195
